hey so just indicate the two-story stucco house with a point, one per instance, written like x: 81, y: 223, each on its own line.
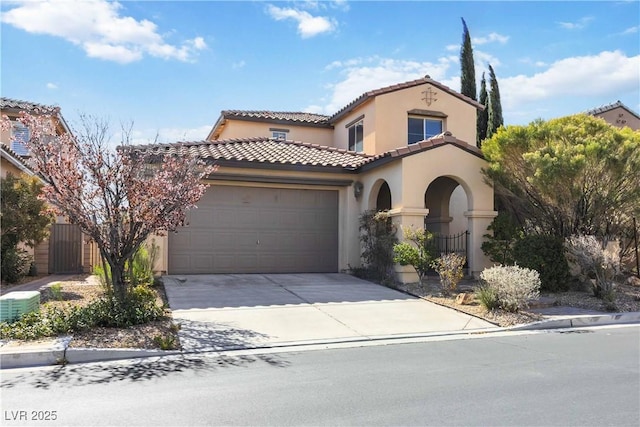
x: 291, y: 186
x: 617, y: 114
x: 66, y: 250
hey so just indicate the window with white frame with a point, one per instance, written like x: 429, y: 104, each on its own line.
x: 356, y: 137
x: 421, y: 128
x: 19, y: 138
x: 279, y: 133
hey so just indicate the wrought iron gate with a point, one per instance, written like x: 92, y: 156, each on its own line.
x: 452, y: 243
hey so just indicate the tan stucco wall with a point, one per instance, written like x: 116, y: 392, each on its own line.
x: 620, y: 117
x: 247, y: 129
x: 6, y: 167
x: 391, y: 116
x: 385, y: 118
x: 341, y: 132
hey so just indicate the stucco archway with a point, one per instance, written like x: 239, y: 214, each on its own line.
x: 380, y: 196
x: 447, y: 198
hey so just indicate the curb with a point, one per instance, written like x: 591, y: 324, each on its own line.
x: 59, y: 353
x: 581, y: 321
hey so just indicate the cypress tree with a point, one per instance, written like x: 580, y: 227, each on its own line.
x: 495, y: 107
x: 467, y: 66
x: 483, y: 116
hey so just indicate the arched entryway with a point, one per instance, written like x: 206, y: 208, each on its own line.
x: 447, y: 201
x: 380, y: 196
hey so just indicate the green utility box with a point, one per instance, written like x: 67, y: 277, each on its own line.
x: 15, y: 304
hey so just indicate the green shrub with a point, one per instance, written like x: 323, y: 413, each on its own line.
x: 415, y: 250
x: 56, y: 291
x: 514, y: 286
x: 140, y: 307
x: 166, y: 342
x: 378, y: 236
x: 546, y: 255
x: 499, y: 245
x: 14, y: 264
x: 449, y: 268
x: 487, y: 297
x: 140, y: 269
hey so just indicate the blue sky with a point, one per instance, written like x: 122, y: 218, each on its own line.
x: 171, y: 67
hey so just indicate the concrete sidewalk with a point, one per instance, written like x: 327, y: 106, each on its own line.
x: 230, y: 312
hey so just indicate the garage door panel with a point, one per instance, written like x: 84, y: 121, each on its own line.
x: 252, y: 230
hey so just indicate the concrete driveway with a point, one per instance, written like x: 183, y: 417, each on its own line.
x: 233, y: 311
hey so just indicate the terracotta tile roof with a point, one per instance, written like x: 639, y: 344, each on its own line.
x: 609, y: 107
x: 373, y: 93
x: 288, y: 116
x: 15, y: 158
x: 269, y: 151
x: 17, y: 104
x: 266, y: 151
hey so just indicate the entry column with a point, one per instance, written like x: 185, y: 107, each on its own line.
x: 478, y: 223
x: 407, y: 218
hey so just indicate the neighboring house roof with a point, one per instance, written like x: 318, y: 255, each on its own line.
x: 275, y: 117
x: 373, y: 93
x: 16, y: 160
x: 269, y: 152
x: 609, y: 107
x: 17, y: 105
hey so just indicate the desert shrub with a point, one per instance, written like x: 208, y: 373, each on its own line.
x: 15, y: 264
x: 378, y: 237
x: 487, y: 297
x: 514, y: 286
x: 545, y: 254
x: 498, y: 246
x: 415, y: 250
x: 56, y: 291
x: 595, y: 260
x: 449, y: 267
x: 166, y: 342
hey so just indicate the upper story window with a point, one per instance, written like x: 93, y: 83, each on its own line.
x: 19, y: 137
x: 421, y: 128
x: 356, y: 136
x: 279, y: 133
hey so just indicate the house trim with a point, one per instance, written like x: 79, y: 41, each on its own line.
x: 280, y: 180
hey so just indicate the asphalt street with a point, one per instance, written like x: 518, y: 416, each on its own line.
x: 578, y: 377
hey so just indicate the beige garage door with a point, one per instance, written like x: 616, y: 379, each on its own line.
x: 258, y: 230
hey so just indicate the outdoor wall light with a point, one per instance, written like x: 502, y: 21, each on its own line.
x: 357, y: 189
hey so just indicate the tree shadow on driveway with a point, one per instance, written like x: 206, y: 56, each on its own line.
x: 197, y: 336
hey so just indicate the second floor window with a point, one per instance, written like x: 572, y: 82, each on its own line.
x: 423, y: 128
x: 356, y: 137
x: 279, y: 135
x: 19, y: 138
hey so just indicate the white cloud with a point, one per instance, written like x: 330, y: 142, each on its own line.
x: 52, y: 86
x: 308, y: 25
x: 581, y: 23
x: 364, y: 74
x: 492, y: 37
x: 593, y: 75
x: 98, y: 27
x: 630, y: 30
